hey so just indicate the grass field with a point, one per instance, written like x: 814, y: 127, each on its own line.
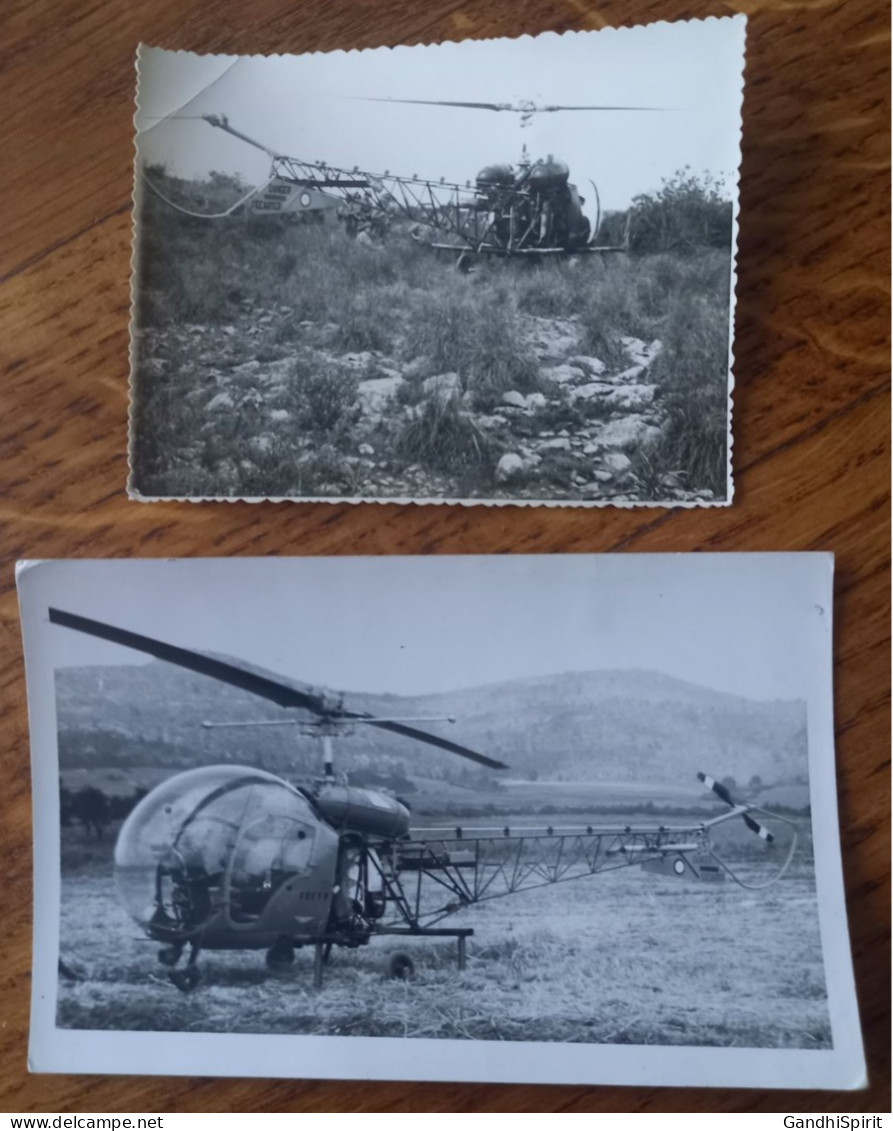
x: 622, y: 957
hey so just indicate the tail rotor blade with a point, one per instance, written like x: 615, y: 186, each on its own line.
x: 755, y: 827
x: 723, y: 794
x: 718, y: 788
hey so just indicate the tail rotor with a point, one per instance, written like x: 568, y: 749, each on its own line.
x: 746, y: 812
x: 723, y: 794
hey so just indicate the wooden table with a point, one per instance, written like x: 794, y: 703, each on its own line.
x: 811, y: 430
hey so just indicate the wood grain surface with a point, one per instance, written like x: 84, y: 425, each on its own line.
x: 812, y: 428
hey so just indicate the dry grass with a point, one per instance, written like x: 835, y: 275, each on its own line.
x: 621, y: 958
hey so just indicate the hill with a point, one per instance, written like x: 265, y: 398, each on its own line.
x: 575, y: 726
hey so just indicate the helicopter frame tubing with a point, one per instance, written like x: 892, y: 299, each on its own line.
x: 477, y: 865
x: 446, y: 206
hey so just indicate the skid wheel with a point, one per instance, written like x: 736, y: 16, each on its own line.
x: 401, y: 967
x: 169, y: 955
x: 280, y: 954
x: 186, y: 979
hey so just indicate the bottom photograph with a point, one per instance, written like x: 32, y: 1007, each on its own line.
x: 521, y: 818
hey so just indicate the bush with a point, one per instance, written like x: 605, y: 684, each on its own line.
x: 688, y: 212
x: 323, y: 397
x: 444, y: 438
x: 476, y: 335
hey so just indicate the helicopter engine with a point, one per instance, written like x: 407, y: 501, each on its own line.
x: 536, y: 206
x: 364, y: 811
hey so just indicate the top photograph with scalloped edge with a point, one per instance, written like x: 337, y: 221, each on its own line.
x: 489, y: 272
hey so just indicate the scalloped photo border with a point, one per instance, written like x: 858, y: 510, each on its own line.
x: 180, y: 85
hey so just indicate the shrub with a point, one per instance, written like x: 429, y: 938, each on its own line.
x: 477, y: 336
x: 364, y: 326
x: 444, y: 438
x: 688, y: 212
x: 322, y: 397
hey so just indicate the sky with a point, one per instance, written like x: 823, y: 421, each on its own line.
x: 756, y: 625
x: 316, y: 107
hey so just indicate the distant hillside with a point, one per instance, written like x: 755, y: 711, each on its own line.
x: 610, y: 725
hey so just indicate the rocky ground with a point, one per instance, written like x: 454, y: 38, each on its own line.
x: 584, y: 435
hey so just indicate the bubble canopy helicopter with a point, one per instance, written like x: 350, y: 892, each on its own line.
x: 232, y: 857
x: 528, y: 209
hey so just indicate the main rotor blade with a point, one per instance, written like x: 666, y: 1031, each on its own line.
x: 255, y: 680
x: 435, y: 740
x: 438, y: 102
x: 552, y: 109
x: 258, y: 682
x: 508, y: 106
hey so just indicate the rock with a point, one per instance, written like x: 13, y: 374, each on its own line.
x: 444, y: 386
x: 229, y: 331
x: 564, y: 433
x: 631, y: 397
x: 416, y: 368
x: 509, y: 466
x: 617, y: 461
x: 366, y: 450
x: 566, y: 374
x: 552, y: 338
x: 153, y: 367
x: 359, y: 360
x: 514, y: 399
x: 280, y: 415
x: 262, y: 444
x: 640, y: 353
x: 559, y: 444
x: 221, y: 401
x: 247, y: 368
x: 535, y: 401
x: 591, y: 391
x: 602, y: 476
x: 487, y: 422
x: 375, y: 394
x: 627, y: 432
x: 628, y: 376
x: 591, y: 366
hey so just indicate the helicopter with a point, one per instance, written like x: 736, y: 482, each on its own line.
x: 231, y: 857
x: 531, y: 209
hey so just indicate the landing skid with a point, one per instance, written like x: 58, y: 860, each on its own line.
x: 460, y: 934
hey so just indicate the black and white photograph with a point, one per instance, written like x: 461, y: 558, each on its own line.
x: 557, y: 819
x: 492, y: 271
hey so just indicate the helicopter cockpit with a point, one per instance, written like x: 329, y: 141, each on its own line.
x: 211, y: 847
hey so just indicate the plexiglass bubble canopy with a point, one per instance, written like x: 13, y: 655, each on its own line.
x: 210, y: 842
